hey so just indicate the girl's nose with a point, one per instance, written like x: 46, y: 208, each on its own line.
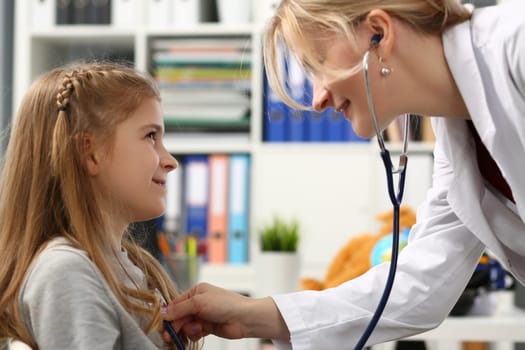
x: 322, y: 98
x: 169, y: 162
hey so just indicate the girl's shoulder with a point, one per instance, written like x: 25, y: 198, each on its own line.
x: 59, y: 253
x: 61, y: 264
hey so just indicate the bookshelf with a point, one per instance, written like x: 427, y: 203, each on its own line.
x: 335, y: 190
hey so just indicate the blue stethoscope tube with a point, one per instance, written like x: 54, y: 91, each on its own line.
x: 174, y: 336
x: 394, y: 198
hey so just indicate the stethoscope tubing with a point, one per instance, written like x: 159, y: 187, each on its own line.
x: 395, y: 198
x: 174, y: 336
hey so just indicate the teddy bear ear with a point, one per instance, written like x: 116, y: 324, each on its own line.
x: 386, y: 216
x: 311, y: 284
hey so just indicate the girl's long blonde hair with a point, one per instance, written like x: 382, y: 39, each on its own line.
x: 45, y: 192
x: 298, y: 22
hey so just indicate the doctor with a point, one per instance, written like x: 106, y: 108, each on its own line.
x: 427, y: 57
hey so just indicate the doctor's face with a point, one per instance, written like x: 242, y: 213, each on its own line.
x: 346, y: 92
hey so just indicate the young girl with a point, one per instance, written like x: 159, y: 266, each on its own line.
x: 85, y: 159
x: 427, y: 57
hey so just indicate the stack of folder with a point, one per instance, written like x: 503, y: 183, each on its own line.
x: 208, y: 198
x: 205, y: 83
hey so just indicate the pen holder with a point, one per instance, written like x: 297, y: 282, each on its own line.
x: 183, y: 270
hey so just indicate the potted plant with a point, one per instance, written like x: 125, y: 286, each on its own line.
x: 277, y: 263
x: 280, y: 236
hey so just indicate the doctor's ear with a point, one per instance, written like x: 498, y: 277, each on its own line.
x: 380, y: 24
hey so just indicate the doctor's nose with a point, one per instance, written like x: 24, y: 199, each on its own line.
x: 322, y: 98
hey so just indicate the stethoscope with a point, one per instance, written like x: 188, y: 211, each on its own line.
x: 395, y: 198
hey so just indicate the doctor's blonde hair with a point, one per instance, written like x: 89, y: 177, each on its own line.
x: 295, y: 21
x: 45, y: 191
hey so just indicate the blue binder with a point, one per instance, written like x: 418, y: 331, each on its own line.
x: 296, y: 126
x: 314, y: 121
x: 315, y: 125
x: 238, y: 208
x: 275, y: 116
x: 335, y: 125
x: 196, y: 195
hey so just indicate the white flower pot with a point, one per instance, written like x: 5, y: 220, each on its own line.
x: 277, y: 273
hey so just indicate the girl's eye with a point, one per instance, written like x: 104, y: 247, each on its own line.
x: 152, y: 135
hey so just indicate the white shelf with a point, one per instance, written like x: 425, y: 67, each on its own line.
x: 413, y: 147
x: 505, y: 324
x: 186, y: 143
x: 203, y: 29
x: 501, y: 329
x: 65, y: 32
x: 317, y: 147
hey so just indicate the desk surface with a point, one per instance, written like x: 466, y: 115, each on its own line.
x: 507, y: 323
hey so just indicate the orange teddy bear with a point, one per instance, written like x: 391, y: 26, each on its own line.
x: 354, y: 259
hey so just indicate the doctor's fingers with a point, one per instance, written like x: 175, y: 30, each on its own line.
x: 187, y: 295
x: 201, y: 302
x: 192, y: 330
x: 181, y: 312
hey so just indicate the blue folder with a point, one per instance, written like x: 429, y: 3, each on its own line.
x: 196, y: 198
x: 238, y: 208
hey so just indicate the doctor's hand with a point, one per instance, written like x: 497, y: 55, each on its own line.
x: 205, y: 309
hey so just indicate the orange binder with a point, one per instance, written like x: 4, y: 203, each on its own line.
x: 218, y: 209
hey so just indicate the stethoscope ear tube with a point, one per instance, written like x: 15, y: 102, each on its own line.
x: 395, y: 198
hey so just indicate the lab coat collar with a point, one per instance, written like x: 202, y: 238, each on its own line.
x: 459, y: 52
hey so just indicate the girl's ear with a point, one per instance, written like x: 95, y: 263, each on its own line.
x: 89, y: 152
x: 379, y: 22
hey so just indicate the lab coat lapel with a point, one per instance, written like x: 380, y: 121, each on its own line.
x: 460, y: 52
x: 467, y: 189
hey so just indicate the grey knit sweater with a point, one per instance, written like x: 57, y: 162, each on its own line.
x: 67, y: 304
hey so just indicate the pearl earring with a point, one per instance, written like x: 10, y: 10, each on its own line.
x: 385, y: 70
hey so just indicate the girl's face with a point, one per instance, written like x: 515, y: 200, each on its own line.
x: 134, y: 174
x: 348, y: 94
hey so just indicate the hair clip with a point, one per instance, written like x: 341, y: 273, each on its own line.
x: 62, y: 108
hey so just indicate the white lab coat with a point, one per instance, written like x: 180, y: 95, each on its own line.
x: 460, y: 216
